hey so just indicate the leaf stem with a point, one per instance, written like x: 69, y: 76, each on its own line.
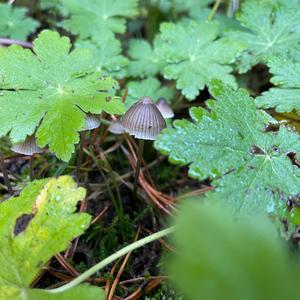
x: 214, y: 10
x: 111, y: 258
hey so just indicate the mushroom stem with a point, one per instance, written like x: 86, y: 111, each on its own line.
x: 138, y: 165
x: 80, y: 155
x: 31, y: 168
x: 5, y: 175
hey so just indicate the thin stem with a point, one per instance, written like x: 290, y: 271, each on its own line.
x: 138, y: 165
x: 5, y: 175
x: 214, y: 10
x: 5, y: 41
x: 80, y: 155
x: 31, y: 168
x: 111, y: 258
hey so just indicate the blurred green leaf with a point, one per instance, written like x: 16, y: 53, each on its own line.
x: 150, y: 87
x: 218, y: 257
x: 286, y: 76
x: 195, y: 55
x: 14, y: 23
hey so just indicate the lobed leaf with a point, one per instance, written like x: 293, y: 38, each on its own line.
x: 227, y: 143
x: 194, y: 55
x: 88, y: 18
x: 51, y: 89
x: 14, y: 23
x: 272, y: 29
x: 150, y: 87
x: 286, y: 96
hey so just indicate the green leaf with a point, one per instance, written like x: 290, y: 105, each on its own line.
x: 286, y: 96
x: 14, y: 23
x: 183, y: 6
x: 150, y: 87
x: 89, y: 19
x: 144, y: 60
x: 107, y: 55
x: 34, y: 226
x: 54, y: 4
x: 218, y: 257
x: 272, y: 30
x: 250, y: 166
x: 51, y: 89
x: 195, y: 55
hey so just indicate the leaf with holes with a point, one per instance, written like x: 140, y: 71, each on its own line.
x: 271, y: 30
x: 41, y: 219
x: 286, y: 96
x: 89, y: 19
x: 250, y: 167
x: 150, y: 87
x: 144, y: 60
x: 194, y: 55
x: 14, y: 23
x: 51, y: 89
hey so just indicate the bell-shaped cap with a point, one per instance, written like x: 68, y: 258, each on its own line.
x: 28, y: 147
x: 143, y: 120
x: 116, y: 127
x: 165, y: 109
x: 91, y: 121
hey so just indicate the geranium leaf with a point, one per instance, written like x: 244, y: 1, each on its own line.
x: 14, y: 23
x: 88, y: 18
x: 228, y: 144
x: 150, y: 87
x: 51, y: 89
x: 144, y: 60
x: 194, y: 55
x: 286, y: 76
x: 272, y: 29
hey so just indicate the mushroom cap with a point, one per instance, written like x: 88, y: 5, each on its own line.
x: 91, y: 121
x: 28, y: 147
x: 143, y: 120
x: 165, y: 109
x: 116, y: 127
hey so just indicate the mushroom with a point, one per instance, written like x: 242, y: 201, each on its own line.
x: 91, y: 121
x: 165, y: 109
x: 116, y: 127
x: 144, y: 121
x: 28, y: 147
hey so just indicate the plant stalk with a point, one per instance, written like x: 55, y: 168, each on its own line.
x: 80, y: 155
x: 111, y: 258
x: 5, y: 175
x: 138, y: 165
x: 214, y: 10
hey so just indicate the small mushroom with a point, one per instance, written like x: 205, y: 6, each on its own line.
x: 116, y: 127
x: 28, y: 147
x: 165, y: 109
x: 144, y: 121
x: 91, y: 121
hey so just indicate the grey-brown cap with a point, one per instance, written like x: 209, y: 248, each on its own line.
x: 91, y: 121
x: 28, y: 147
x: 165, y: 109
x: 143, y: 120
x: 116, y: 127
